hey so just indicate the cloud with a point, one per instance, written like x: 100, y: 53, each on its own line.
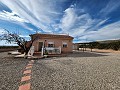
x: 111, y: 31
x: 101, y: 22
x: 110, y: 7
x: 27, y: 27
x: 75, y: 23
x: 25, y: 36
x: 11, y: 16
x: 14, y: 18
x: 61, y: 17
x: 40, y: 13
x: 81, y: 24
x: 69, y: 19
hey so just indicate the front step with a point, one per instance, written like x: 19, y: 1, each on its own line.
x: 57, y: 55
x: 37, y: 54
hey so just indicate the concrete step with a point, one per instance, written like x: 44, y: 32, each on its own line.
x: 37, y: 54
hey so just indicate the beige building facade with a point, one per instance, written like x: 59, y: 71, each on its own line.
x: 53, y: 43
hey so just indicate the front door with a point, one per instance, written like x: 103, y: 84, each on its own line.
x: 40, y: 46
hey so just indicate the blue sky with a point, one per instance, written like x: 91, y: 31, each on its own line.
x: 85, y: 20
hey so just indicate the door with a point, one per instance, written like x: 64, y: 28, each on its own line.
x: 40, y: 46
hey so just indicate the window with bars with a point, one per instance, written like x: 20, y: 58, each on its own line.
x: 50, y: 44
x: 65, y: 45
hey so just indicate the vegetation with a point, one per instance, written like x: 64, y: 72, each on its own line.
x: 20, y: 41
x: 8, y: 47
x: 115, y: 45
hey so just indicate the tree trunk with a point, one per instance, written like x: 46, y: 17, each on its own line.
x: 26, y: 54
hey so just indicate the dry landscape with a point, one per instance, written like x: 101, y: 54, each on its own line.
x: 77, y: 71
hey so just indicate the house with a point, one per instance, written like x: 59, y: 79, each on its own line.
x: 52, y: 43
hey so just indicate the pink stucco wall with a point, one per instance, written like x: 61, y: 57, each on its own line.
x: 57, y: 42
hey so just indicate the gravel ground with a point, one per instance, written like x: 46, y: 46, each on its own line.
x: 11, y: 70
x: 77, y: 71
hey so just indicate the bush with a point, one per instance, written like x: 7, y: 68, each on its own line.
x: 115, y: 45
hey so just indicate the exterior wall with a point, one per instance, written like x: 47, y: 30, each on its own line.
x: 69, y: 46
x: 75, y: 46
x: 57, y: 42
x: 36, y: 44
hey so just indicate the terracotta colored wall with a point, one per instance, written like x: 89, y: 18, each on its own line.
x: 57, y: 43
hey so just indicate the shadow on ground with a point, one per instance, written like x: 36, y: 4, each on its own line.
x: 85, y: 54
x: 100, y: 52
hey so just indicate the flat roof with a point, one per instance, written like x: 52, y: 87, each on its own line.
x: 52, y: 35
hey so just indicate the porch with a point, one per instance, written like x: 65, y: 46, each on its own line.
x: 48, y: 51
x: 51, y: 50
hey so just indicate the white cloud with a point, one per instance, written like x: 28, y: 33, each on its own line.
x: 111, y: 31
x: 11, y: 16
x: 75, y: 24
x: 110, y: 7
x: 27, y: 27
x: 100, y: 22
x: 25, y: 36
x: 83, y: 24
x: 43, y: 13
x: 40, y: 13
x: 68, y: 19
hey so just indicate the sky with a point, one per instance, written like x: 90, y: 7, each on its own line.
x: 85, y: 20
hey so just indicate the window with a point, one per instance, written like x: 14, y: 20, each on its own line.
x: 50, y: 44
x: 64, y: 45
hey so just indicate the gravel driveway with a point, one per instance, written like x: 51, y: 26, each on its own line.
x: 11, y: 70
x: 77, y: 71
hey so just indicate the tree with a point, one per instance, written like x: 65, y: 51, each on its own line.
x: 20, y: 41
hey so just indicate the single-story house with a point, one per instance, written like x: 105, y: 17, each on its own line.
x: 52, y: 43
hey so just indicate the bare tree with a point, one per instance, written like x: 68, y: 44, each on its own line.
x: 20, y: 41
